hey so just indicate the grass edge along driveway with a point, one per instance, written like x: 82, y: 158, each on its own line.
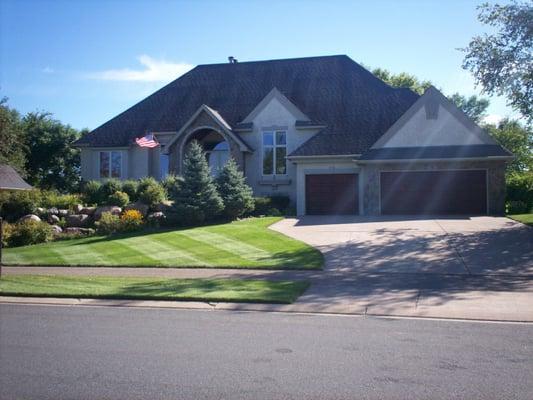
x: 100, y: 287
x: 247, y: 243
x: 526, y: 219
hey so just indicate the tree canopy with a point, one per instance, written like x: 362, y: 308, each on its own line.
x: 518, y: 139
x: 502, y: 62
x: 39, y: 148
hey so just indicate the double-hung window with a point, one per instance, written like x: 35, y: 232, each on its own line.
x: 274, y: 153
x: 110, y: 164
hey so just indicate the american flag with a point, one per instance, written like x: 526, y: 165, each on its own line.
x: 147, y: 141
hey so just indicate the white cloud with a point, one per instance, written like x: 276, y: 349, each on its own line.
x: 153, y: 71
x: 492, y: 119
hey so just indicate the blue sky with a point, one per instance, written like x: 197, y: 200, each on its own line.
x: 88, y: 60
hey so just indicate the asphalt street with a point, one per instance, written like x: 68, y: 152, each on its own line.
x: 56, y: 352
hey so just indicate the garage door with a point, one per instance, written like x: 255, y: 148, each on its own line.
x: 434, y: 192
x: 331, y: 194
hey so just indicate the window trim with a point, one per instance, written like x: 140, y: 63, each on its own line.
x: 110, y: 155
x: 274, y: 146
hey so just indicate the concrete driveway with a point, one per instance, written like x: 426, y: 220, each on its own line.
x: 473, y: 268
x: 455, y: 245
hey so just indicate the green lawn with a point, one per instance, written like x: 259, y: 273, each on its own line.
x: 232, y: 290
x: 524, y: 218
x: 241, y: 244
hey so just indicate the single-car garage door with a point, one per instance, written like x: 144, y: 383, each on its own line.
x: 331, y: 194
x: 434, y: 192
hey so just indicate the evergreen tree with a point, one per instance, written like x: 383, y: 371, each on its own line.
x: 197, y: 200
x: 236, y: 194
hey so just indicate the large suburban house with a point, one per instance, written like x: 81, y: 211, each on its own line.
x: 322, y: 130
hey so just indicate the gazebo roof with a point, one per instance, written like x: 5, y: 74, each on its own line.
x: 11, y: 180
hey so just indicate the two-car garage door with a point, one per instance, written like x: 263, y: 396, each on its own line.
x: 401, y: 193
x: 434, y: 192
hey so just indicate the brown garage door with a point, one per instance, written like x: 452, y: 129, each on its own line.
x: 331, y: 194
x: 434, y: 192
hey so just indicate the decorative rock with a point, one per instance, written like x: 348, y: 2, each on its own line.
x: 164, y: 206
x: 88, y: 210
x: 62, y: 213
x: 142, y: 208
x: 79, y: 231
x: 77, y: 220
x: 53, y: 219
x: 53, y: 211
x: 30, y: 217
x: 156, y: 216
x: 77, y: 209
x: 57, y: 229
x: 100, y: 210
x: 40, y: 210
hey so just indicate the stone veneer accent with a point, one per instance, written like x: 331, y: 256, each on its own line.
x: 203, y: 121
x: 496, y: 181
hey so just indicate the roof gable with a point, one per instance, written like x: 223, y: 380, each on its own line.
x: 276, y: 94
x: 218, y: 121
x: 433, y: 120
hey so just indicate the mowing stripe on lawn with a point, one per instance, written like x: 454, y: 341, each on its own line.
x: 160, y: 252
x: 243, y: 250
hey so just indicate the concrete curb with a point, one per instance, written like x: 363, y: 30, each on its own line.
x: 470, y: 314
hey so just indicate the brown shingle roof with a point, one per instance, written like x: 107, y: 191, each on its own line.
x: 333, y: 90
x: 11, y: 180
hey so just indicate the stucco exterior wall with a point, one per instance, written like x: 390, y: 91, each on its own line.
x: 370, y: 180
x: 322, y: 166
x: 90, y: 162
x: 274, y: 116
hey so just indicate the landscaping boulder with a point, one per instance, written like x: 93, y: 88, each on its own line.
x: 40, y: 210
x: 156, y: 216
x: 53, y: 211
x: 30, y: 217
x: 142, y: 208
x: 62, y: 213
x: 77, y: 209
x: 88, y: 210
x: 57, y: 229
x: 79, y: 231
x: 77, y: 220
x: 164, y: 206
x: 53, y: 219
x: 111, y: 209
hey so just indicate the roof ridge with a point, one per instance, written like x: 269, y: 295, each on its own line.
x: 276, y: 60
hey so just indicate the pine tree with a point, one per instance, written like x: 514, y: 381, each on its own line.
x: 197, y: 200
x: 236, y: 194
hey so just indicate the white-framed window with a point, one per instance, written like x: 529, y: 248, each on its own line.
x: 110, y: 164
x: 274, y: 153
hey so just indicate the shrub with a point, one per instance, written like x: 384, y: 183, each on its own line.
x: 16, y: 204
x: 280, y: 202
x: 30, y: 232
x: 145, y: 183
x: 91, y: 192
x: 131, y: 220
x: 7, y: 229
x: 120, y: 199
x: 516, y: 207
x: 198, y: 199
x: 51, y: 199
x: 152, y: 195
x: 130, y: 187
x: 520, y: 190
x: 108, y: 188
x: 236, y: 194
x: 172, y: 185
x: 108, y: 224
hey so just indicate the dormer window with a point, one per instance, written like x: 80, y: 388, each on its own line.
x: 274, y: 153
